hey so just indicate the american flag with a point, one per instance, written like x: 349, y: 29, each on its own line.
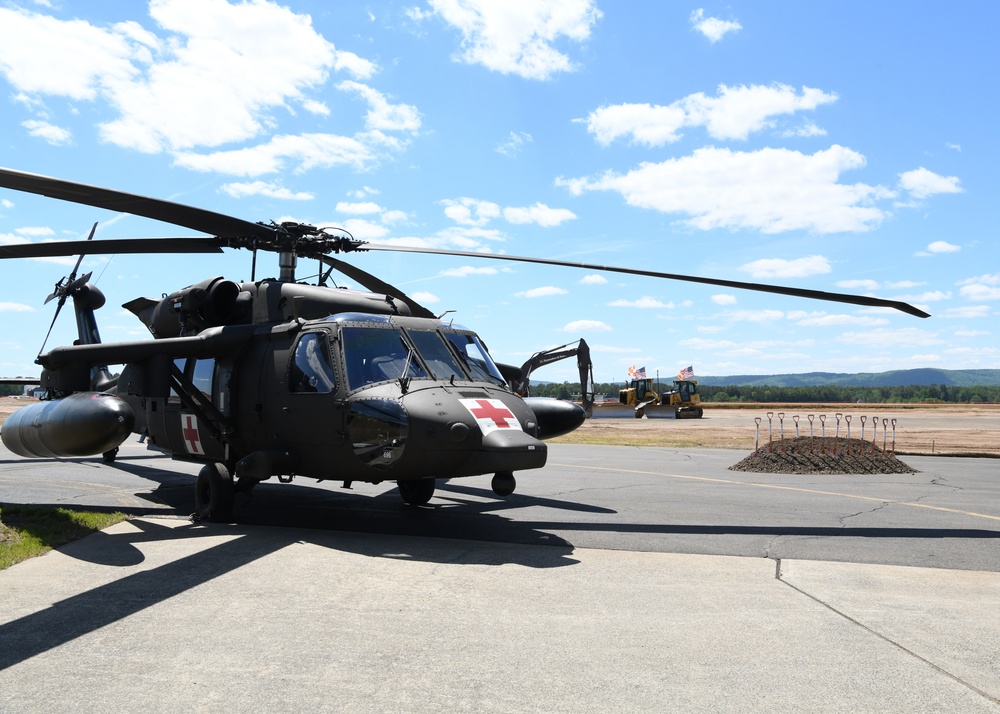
x: 686, y: 373
x: 634, y: 373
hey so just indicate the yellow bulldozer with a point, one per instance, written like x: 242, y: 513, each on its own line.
x: 683, y: 399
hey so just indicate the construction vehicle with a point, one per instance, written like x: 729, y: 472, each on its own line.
x: 520, y: 380
x: 683, y: 399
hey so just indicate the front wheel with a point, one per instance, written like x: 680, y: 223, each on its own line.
x: 214, y: 494
x: 416, y: 492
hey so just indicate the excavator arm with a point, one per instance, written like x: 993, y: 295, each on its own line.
x: 521, y: 383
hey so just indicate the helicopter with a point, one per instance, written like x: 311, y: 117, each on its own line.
x: 279, y: 378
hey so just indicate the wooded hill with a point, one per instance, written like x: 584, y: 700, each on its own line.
x: 895, y: 378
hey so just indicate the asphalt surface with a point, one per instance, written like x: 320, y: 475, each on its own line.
x: 645, y: 579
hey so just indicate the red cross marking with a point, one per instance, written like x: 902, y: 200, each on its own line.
x: 189, y: 431
x: 499, y: 415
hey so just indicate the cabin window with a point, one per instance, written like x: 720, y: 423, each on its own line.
x: 201, y: 376
x: 310, y: 371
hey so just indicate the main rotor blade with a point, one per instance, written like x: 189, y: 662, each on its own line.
x: 197, y: 219
x: 759, y: 287
x: 370, y: 282
x: 108, y: 246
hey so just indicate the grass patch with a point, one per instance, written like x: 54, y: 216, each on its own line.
x: 27, y: 532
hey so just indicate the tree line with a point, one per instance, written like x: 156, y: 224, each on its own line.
x: 817, y: 393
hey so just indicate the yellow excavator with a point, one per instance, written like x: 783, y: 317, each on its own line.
x: 683, y: 398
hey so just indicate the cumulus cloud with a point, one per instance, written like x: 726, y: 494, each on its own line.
x: 781, y: 268
x: 921, y: 183
x: 712, y: 27
x: 425, y: 298
x: 734, y: 113
x: 539, y: 214
x: 51, y: 133
x: 770, y: 190
x: 981, y: 288
x: 593, y: 279
x: 211, y: 74
x: 465, y: 271
x: 587, y: 326
x: 261, y: 188
x: 514, y: 143
x: 546, y: 291
x: 643, y: 303
x: 15, y: 307
x: 470, y: 211
x: 517, y: 37
x: 724, y: 299
x: 905, y: 337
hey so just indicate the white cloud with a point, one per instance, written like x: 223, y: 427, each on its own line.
x: 4, y: 203
x: 593, y: 280
x: 930, y: 296
x: 34, y: 231
x: 15, y: 307
x: 539, y: 214
x: 644, y: 303
x: 546, y: 291
x: 724, y: 299
x: 823, y: 320
x: 587, y: 326
x: 514, y: 143
x: 470, y: 211
x: 425, y: 298
x: 983, y: 287
x: 967, y: 312
x: 517, y: 37
x: 735, y: 113
x: 921, y: 183
x: 712, y: 27
x: 465, y: 271
x: 771, y: 190
x: 905, y: 337
x: 858, y: 284
x: 302, y: 152
x: 49, y: 132
x: 781, y: 268
x: 939, y: 246
x: 211, y: 75
x: 382, y: 115
x: 361, y: 208
x: 755, y: 315
x: 260, y: 188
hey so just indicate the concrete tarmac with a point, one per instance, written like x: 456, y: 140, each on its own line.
x: 162, y: 615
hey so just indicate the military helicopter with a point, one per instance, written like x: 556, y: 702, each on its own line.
x: 277, y: 378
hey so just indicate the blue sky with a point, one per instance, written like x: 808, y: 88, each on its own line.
x: 846, y: 147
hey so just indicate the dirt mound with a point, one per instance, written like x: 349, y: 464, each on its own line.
x: 806, y: 455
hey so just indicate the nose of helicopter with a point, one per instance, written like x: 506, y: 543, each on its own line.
x: 473, y: 433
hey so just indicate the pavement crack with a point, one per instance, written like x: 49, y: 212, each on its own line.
x: 879, y: 635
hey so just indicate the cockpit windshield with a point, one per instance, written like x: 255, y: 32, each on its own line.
x: 385, y: 353
x: 475, y: 358
x: 377, y: 354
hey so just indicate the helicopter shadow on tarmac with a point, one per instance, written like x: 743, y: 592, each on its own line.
x: 351, y: 523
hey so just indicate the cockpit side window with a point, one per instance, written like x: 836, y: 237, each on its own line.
x: 310, y: 370
x: 475, y: 358
x: 375, y: 354
x: 436, y: 354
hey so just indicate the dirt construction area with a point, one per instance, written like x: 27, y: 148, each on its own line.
x: 946, y: 429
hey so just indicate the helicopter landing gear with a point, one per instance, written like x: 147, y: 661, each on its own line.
x: 109, y: 456
x: 214, y: 494
x: 416, y: 492
x: 504, y: 484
